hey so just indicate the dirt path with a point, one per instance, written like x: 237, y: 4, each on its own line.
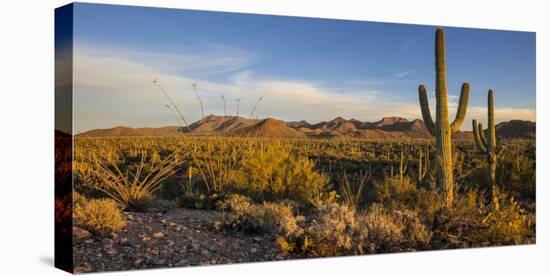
x: 179, y: 237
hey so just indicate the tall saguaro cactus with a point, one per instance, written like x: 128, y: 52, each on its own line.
x: 488, y: 147
x: 441, y: 128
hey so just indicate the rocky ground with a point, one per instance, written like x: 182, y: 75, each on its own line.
x: 174, y: 238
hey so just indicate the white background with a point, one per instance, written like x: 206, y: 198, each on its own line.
x: 26, y: 135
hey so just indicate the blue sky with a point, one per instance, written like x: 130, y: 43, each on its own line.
x: 306, y: 68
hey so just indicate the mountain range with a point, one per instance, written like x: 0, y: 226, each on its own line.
x: 387, y: 127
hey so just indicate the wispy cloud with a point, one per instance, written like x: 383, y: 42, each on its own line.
x: 200, y: 59
x: 404, y: 74
x: 113, y: 87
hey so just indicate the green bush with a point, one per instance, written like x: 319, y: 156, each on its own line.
x: 271, y: 172
x: 393, y: 192
x: 99, y: 216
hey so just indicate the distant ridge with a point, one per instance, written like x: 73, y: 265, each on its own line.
x: 387, y: 127
x: 270, y: 128
x: 517, y: 129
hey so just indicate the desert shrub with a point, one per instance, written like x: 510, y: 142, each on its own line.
x: 509, y: 224
x: 395, y: 230
x: 467, y: 204
x: 86, y: 180
x: 516, y: 170
x: 235, y: 203
x: 217, y: 163
x: 337, y: 230
x: 471, y: 223
x: 384, y: 230
x: 272, y: 172
x: 323, y: 198
x: 100, y: 216
x: 393, y: 191
x: 243, y: 215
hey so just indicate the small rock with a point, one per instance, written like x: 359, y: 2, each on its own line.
x: 204, y: 252
x: 111, y: 251
x: 253, y: 250
x: 80, y: 234
x: 160, y: 262
x: 107, y: 241
x: 124, y: 242
x: 139, y: 261
x: 158, y: 235
x: 181, y: 263
x: 146, y: 238
x: 89, y: 241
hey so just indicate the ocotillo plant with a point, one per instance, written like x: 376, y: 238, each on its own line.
x: 199, y: 99
x: 488, y: 147
x: 255, y: 106
x: 238, y: 101
x: 442, y: 129
x: 174, y: 114
x: 224, y: 110
x: 157, y: 82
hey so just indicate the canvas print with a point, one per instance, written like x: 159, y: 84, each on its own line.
x: 190, y: 138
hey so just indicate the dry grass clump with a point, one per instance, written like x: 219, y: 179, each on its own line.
x: 99, y: 216
x: 352, y: 187
x: 134, y: 189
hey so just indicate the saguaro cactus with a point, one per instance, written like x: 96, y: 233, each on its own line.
x: 442, y: 129
x: 488, y: 147
x: 422, y: 164
x: 402, y: 166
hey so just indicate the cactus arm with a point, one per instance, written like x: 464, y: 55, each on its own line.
x: 491, y: 122
x: 425, y: 108
x: 477, y: 137
x: 462, y: 106
x: 482, y: 134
